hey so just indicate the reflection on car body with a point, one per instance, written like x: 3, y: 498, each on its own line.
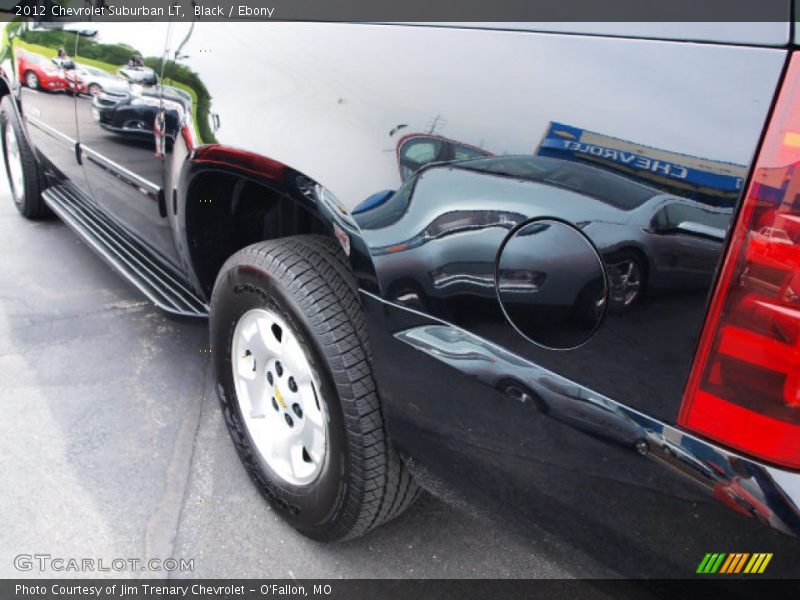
x: 666, y: 242
x: 97, y: 80
x: 133, y: 110
x: 40, y: 72
x: 553, y: 396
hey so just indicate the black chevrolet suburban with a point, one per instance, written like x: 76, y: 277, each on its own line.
x: 553, y: 271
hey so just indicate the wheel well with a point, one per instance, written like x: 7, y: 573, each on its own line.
x: 226, y: 212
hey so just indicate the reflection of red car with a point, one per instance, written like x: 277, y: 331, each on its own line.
x: 38, y: 72
x: 735, y: 496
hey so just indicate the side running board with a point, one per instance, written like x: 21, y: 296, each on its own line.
x: 154, y: 277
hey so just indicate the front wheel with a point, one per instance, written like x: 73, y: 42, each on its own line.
x: 32, y: 80
x: 295, y: 381
x: 22, y: 170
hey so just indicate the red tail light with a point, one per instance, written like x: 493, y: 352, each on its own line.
x: 744, y: 388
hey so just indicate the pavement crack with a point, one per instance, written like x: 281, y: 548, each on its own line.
x: 162, y: 528
x: 112, y: 309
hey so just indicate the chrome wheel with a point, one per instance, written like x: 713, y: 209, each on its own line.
x: 626, y: 282
x: 279, y: 396
x: 16, y: 175
x: 32, y: 80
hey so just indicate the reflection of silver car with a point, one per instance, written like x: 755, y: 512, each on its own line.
x: 97, y: 80
x: 647, y: 238
x: 674, y: 450
x: 666, y: 243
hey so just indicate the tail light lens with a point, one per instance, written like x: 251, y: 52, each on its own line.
x: 744, y: 388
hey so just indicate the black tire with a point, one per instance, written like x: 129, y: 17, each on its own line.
x: 31, y: 80
x: 28, y: 201
x: 306, y: 280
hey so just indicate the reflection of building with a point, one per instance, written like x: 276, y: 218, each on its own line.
x: 709, y: 181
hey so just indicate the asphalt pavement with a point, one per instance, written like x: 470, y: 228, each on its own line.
x: 112, y: 446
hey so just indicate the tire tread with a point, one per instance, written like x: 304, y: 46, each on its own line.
x: 316, y: 272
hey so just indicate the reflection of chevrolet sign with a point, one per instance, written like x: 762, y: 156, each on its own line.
x: 629, y: 158
x: 704, y: 175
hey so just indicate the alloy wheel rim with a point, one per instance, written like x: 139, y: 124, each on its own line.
x: 278, y: 395
x: 32, y: 80
x: 14, y: 164
x: 631, y: 282
x: 626, y: 282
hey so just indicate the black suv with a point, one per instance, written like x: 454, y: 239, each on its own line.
x: 565, y: 285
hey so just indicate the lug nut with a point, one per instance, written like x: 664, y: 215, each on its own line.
x: 289, y: 421
x: 297, y: 410
x: 279, y: 369
x: 292, y: 385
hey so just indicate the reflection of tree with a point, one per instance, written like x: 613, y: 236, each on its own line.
x: 177, y: 73
x: 12, y: 30
x: 112, y: 54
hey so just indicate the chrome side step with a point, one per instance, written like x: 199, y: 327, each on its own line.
x: 154, y: 277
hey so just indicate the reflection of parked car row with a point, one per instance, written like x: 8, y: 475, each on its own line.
x: 129, y: 102
x: 61, y: 73
x: 58, y: 74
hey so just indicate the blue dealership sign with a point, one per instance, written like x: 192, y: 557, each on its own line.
x: 567, y: 142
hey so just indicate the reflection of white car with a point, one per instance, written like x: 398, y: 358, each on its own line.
x: 97, y: 80
x: 674, y: 450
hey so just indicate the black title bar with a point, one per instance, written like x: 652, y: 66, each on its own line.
x: 476, y: 11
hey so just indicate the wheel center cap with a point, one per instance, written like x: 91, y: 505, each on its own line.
x: 279, y: 397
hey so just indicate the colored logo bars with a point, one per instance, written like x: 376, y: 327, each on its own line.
x: 734, y: 563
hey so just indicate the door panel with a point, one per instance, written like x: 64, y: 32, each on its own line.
x: 641, y: 146
x: 117, y: 122
x: 44, y: 67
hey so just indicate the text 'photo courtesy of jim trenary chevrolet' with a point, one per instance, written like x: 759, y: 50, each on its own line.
x: 290, y: 295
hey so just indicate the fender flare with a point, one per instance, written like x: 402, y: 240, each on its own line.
x: 276, y: 176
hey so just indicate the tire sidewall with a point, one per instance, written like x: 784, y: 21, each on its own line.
x: 6, y: 121
x: 309, y: 508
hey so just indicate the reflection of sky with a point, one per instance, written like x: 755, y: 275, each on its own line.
x: 148, y: 38
x: 788, y: 481
x: 324, y: 97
